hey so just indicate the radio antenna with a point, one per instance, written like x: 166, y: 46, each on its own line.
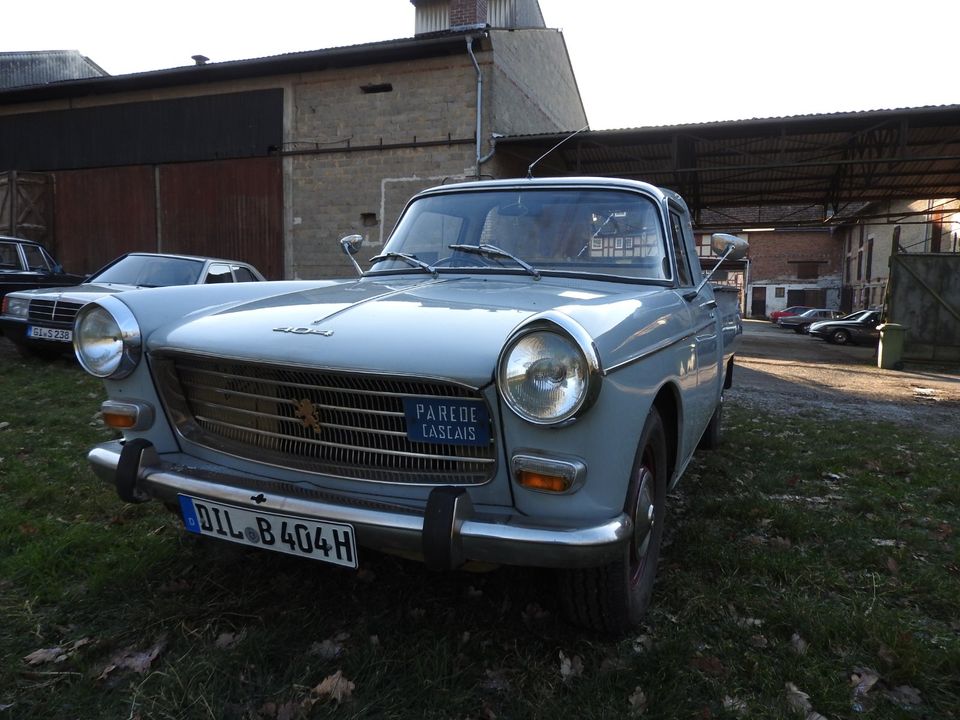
x: 571, y: 135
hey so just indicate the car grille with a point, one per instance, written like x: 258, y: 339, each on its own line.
x: 354, y: 427
x: 60, y: 311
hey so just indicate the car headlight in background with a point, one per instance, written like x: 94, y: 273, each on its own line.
x: 106, y: 338
x: 548, y: 372
x: 15, y: 306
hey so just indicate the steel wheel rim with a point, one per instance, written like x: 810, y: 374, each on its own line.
x: 644, y: 521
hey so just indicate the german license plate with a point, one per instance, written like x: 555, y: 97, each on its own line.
x: 326, y: 541
x: 46, y: 333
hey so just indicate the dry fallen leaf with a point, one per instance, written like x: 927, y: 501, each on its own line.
x: 335, y: 686
x: 863, y: 680
x: 797, y: 699
x: 570, y: 667
x: 735, y: 705
x: 137, y: 661
x: 329, y: 649
x: 638, y: 702
x: 46, y: 655
x: 905, y: 695
x: 799, y: 644
x: 228, y: 641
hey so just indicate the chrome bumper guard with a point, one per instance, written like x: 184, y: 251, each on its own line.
x: 448, y: 533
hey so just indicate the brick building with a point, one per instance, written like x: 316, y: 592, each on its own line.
x: 272, y: 160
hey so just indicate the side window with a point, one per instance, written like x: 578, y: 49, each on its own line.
x: 684, y: 277
x: 242, y: 274
x: 219, y: 273
x: 9, y: 259
x: 35, y: 258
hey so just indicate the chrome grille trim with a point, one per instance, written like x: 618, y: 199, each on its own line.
x: 61, y: 311
x: 349, y: 425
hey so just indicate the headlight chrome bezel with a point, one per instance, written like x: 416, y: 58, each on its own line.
x: 125, y: 357
x: 569, y: 331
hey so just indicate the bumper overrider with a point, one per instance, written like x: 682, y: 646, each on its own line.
x: 446, y: 534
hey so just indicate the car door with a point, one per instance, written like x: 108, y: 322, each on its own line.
x: 705, y: 327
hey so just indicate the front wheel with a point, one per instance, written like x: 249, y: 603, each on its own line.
x: 613, y: 598
x: 840, y: 337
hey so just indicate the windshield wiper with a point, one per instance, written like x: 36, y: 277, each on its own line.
x: 409, y: 259
x: 485, y: 249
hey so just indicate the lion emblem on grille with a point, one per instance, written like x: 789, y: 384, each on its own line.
x: 309, y: 415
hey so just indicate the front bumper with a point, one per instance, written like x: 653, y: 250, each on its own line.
x: 15, y: 329
x: 446, y: 534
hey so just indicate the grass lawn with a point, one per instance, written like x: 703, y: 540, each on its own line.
x: 811, y: 569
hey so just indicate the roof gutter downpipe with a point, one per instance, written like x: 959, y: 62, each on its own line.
x: 476, y: 67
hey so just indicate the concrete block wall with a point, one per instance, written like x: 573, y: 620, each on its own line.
x: 533, y: 89
x: 334, y: 189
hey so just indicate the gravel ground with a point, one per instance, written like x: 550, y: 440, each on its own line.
x: 781, y: 371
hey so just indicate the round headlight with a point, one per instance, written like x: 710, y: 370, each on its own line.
x: 106, y: 339
x: 544, y: 376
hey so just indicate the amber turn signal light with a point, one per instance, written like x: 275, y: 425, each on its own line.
x: 538, y: 481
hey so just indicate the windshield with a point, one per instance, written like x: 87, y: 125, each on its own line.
x: 150, y: 271
x: 609, y: 232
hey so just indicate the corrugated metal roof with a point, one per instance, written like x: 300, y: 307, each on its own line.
x: 825, y: 163
x: 21, y: 69
x: 437, y: 45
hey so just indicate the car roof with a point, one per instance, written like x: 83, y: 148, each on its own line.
x: 177, y: 256
x: 21, y: 240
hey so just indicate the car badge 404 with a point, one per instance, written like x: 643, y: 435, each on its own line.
x: 303, y: 331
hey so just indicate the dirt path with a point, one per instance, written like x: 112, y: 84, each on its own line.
x: 784, y: 372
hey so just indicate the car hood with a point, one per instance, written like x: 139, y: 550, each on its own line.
x: 84, y: 293
x: 450, y: 328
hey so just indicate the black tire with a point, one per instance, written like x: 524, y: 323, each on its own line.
x: 713, y: 436
x: 840, y: 337
x: 613, y: 598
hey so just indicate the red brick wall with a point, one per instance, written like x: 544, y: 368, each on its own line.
x: 774, y: 256
x: 468, y: 12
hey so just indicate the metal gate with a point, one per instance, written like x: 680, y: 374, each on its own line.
x: 924, y: 296
x: 225, y: 208
x: 25, y: 206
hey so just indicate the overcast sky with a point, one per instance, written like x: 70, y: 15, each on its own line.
x: 637, y: 62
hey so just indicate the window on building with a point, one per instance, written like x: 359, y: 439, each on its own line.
x: 779, y: 292
x: 860, y: 260
x: 869, y: 270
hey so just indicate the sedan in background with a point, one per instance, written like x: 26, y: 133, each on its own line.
x: 859, y: 327
x: 802, y: 322
x: 787, y: 312
x: 25, y: 264
x: 40, y: 322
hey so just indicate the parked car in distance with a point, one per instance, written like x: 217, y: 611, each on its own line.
x: 25, y: 264
x: 802, y: 322
x: 859, y: 328
x: 520, y: 378
x: 40, y: 322
x: 786, y: 312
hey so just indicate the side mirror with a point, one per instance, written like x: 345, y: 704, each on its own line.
x: 730, y: 247
x: 351, y: 245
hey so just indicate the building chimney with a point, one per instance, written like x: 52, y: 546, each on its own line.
x: 467, y: 13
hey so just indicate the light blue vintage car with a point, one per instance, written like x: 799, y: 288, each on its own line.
x: 523, y: 372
